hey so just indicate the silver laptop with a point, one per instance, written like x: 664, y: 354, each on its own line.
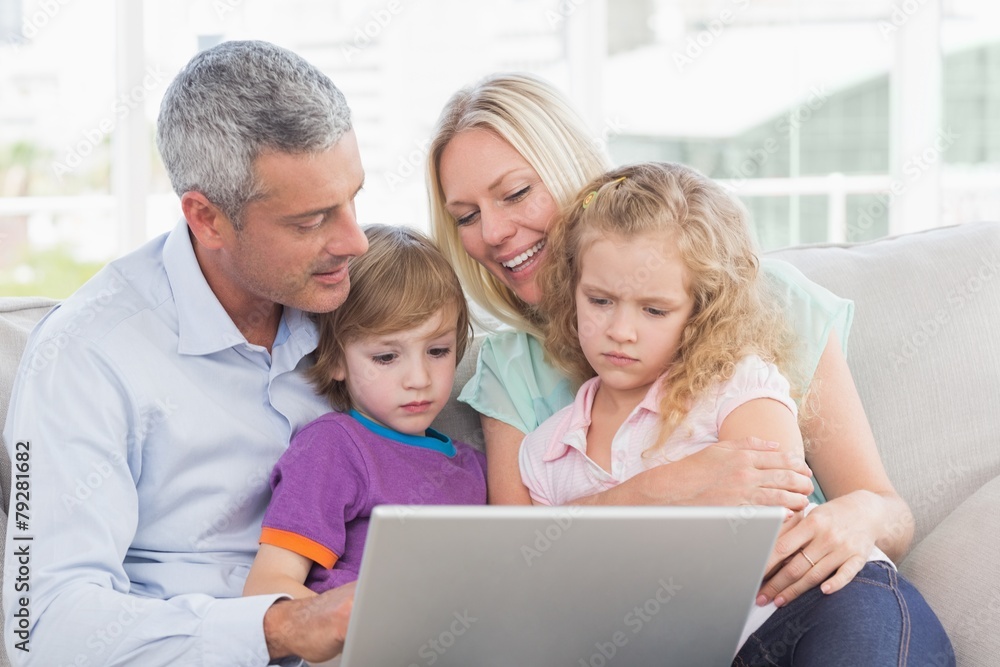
x: 550, y: 587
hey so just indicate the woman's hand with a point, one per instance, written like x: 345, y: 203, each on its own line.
x: 747, y: 471
x: 825, y: 548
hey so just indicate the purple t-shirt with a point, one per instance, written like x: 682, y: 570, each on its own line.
x: 336, y: 470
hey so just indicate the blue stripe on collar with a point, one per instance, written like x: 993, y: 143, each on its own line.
x: 432, y: 439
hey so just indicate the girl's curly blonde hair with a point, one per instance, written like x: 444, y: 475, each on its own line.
x: 733, y: 316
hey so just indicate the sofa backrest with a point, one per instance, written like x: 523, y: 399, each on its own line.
x: 924, y: 354
x: 17, y: 317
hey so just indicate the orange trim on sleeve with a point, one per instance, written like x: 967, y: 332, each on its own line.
x: 301, y: 545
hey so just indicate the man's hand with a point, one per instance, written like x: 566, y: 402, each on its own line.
x: 311, y: 628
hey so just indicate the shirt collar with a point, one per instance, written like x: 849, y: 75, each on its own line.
x: 575, y: 434
x: 431, y: 439
x: 203, y: 325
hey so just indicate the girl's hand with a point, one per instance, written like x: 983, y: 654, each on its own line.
x: 747, y: 471
x: 826, y: 548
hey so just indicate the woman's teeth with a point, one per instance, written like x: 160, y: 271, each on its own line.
x: 523, y: 257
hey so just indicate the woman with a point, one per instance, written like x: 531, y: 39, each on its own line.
x: 506, y: 155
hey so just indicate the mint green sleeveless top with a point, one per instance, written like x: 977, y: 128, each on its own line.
x: 514, y: 384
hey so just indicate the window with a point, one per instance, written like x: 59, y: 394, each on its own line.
x: 831, y: 120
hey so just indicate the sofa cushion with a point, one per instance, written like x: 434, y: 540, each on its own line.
x: 959, y: 555
x: 923, y: 354
x: 18, y: 316
x: 458, y: 420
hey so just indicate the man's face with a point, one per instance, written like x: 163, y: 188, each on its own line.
x: 295, y: 241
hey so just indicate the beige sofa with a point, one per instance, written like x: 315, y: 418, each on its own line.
x: 925, y: 353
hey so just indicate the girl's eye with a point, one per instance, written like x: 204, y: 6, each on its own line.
x: 657, y: 312
x: 598, y: 301
x: 439, y: 352
x: 383, y: 359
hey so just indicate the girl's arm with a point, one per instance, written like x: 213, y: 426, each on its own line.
x: 863, y: 509
x: 277, y: 570
x: 743, y: 471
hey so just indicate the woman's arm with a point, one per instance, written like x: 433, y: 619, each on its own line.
x: 739, y: 472
x: 863, y: 509
x: 277, y: 570
x: 503, y: 475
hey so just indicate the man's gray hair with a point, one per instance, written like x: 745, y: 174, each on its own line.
x: 235, y: 101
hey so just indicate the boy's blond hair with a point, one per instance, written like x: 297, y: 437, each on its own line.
x: 400, y: 282
x: 733, y: 314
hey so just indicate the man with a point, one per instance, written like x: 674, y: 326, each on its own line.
x: 154, y: 401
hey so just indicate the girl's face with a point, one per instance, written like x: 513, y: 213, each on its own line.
x: 403, y: 380
x: 501, y: 207
x: 632, y: 305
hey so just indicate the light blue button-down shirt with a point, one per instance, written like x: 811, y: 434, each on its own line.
x: 151, y: 426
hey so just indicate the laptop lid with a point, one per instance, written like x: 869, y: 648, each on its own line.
x: 574, y: 586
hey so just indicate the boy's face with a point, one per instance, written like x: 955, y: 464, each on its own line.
x: 402, y: 380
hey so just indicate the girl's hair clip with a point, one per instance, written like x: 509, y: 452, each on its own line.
x: 593, y: 193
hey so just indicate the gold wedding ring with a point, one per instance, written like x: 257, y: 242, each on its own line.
x: 807, y: 557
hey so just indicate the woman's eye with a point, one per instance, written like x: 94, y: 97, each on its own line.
x: 383, y: 359
x: 438, y: 352
x: 657, y: 312
x: 519, y: 195
x: 466, y: 219
x: 598, y: 301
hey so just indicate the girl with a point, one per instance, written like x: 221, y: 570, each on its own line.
x: 654, y: 302
x: 386, y: 360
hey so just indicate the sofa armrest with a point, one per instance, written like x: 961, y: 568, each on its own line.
x: 954, y: 567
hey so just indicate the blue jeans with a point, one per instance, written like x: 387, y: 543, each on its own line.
x: 879, y: 619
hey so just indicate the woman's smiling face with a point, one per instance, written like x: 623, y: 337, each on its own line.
x: 501, y: 207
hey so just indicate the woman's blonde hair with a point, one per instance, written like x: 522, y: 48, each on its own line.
x: 733, y: 314
x: 531, y: 116
x: 398, y: 284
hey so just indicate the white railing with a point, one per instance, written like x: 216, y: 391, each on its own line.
x: 983, y: 187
